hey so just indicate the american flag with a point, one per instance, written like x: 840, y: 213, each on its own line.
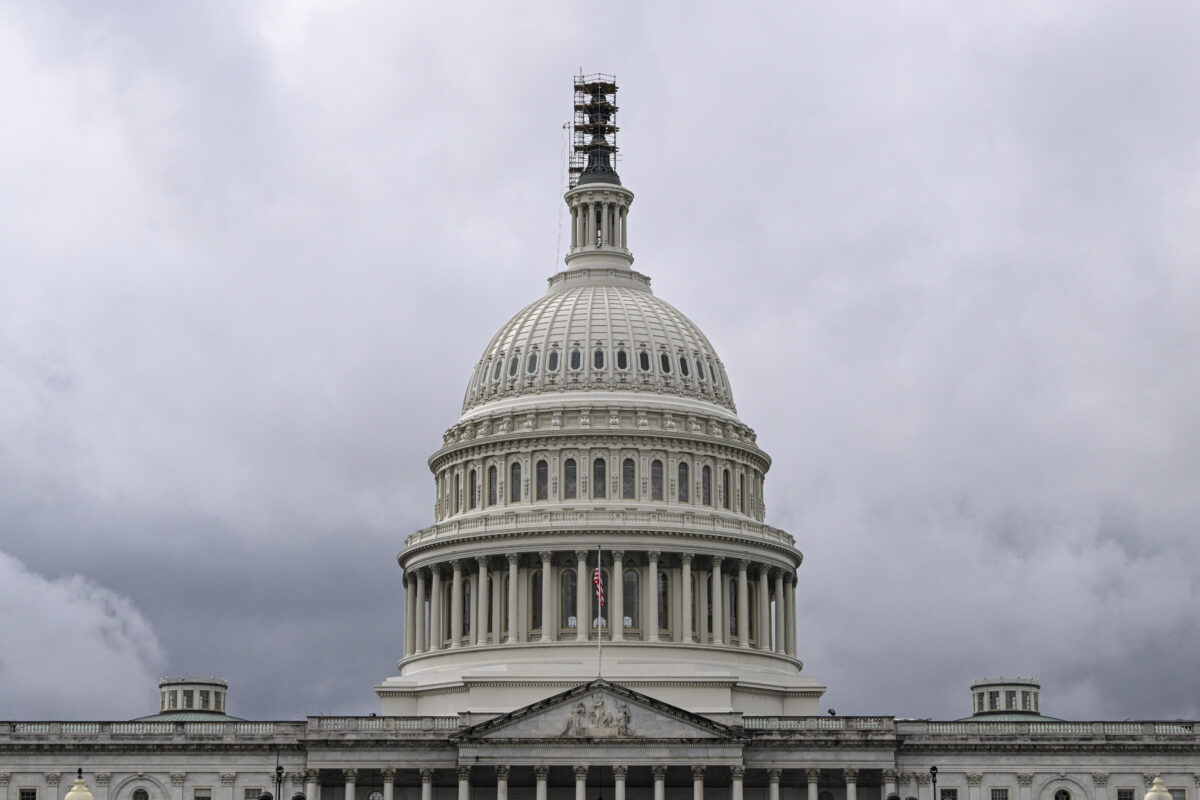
x: 598, y: 581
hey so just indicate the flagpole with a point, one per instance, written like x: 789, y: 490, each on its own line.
x: 597, y: 590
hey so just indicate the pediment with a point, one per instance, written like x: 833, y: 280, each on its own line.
x: 599, y: 710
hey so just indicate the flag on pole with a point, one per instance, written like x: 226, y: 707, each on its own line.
x: 598, y: 581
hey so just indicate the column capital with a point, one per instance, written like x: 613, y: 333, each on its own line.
x: 617, y: 554
x: 1100, y: 779
x: 546, y: 555
x: 974, y: 778
x: 686, y: 558
x: 463, y: 771
x: 5, y: 777
x: 103, y: 778
x: 296, y: 777
x: 581, y: 555
x: 541, y: 773
x: 502, y: 772
x: 581, y: 772
x: 716, y: 561
x: 773, y: 775
x: 653, y: 555
x: 435, y: 569
x: 514, y: 559
x: 426, y: 775
x: 1025, y: 778
x: 737, y: 772
x: 764, y: 571
x: 350, y: 774
x: 659, y: 772
x: 743, y: 564
x: 1148, y: 778
x: 620, y: 771
x: 52, y: 779
x: 890, y: 775
x: 457, y: 564
x: 176, y: 778
x: 388, y: 773
x: 813, y: 774
x: 312, y: 775
x: 850, y: 774
x: 227, y: 778
x: 697, y: 772
x: 482, y: 561
x: 922, y: 778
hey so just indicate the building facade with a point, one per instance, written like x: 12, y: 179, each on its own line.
x: 599, y: 607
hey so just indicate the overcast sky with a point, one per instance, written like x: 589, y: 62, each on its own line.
x: 948, y: 252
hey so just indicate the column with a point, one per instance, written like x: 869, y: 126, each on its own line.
x: 619, y: 773
x: 773, y: 776
x: 464, y: 782
x: 513, y: 563
x: 718, y: 602
x: 227, y: 781
x: 616, y: 593
x: 686, y: 576
x: 581, y: 782
x: 743, y: 609
x: 456, y: 609
x: 851, y: 776
x: 764, y: 608
x: 660, y: 782
x: 426, y: 784
x: 624, y: 224
x: 583, y: 609
x: 541, y: 773
x: 790, y: 626
x: 547, y: 596
x: 974, y: 779
x: 481, y: 602
x: 497, y: 607
x: 1024, y: 782
x: 103, y: 779
x: 419, y: 630
x: 351, y: 776
x: 889, y: 783
x: 702, y: 606
x: 814, y: 775
x: 698, y: 783
x: 652, y: 598
x: 922, y: 779
x: 736, y: 773
x: 176, y: 784
x: 435, y: 608
x: 410, y: 617
x: 389, y: 782
x: 501, y: 782
x: 780, y: 614
x: 1099, y: 782
x: 312, y: 779
x: 604, y: 238
x: 574, y: 227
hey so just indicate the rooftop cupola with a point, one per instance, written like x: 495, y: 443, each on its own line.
x: 597, y: 201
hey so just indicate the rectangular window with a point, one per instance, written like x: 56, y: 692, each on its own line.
x: 598, y: 478
x: 188, y: 695
x: 204, y: 698
x: 28, y: 794
x: 1178, y: 794
x: 993, y: 703
x: 252, y: 792
x: 999, y: 794
x: 174, y: 700
x: 949, y: 794
x: 1025, y: 705
x: 202, y: 794
x: 1124, y: 794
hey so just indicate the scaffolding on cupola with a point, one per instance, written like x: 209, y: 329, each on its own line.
x: 594, y: 129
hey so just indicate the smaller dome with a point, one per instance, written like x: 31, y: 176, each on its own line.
x: 79, y: 791
x: 191, y: 700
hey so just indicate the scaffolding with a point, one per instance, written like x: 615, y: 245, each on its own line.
x: 594, y: 121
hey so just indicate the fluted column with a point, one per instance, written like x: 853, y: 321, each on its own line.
x: 435, y: 607
x: 456, y: 609
x: 616, y: 596
x: 790, y: 628
x: 685, y: 560
x: 410, y: 615
x: 351, y: 776
x: 851, y: 776
x: 480, y: 597
x: 702, y: 606
x: 312, y: 779
x: 619, y: 774
x: 652, y: 596
x: 583, y: 609
x: 1100, y: 785
x: 698, y: 783
x: 922, y: 779
x: 227, y: 781
x: 604, y: 224
x: 974, y: 779
x: 501, y: 782
x: 513, y: 572
x: 420, y: 619
x: 813, y: 776
x: 773, y: 776
x: 718, y: 602
x: 889, y: 783
x: 780, y: 614
x: 737, y: 774
x: 464, y: 782
x: 177, y: 779
x: 1024, y: 785
x: 103, y: 780
x: 581, y: 782
x: 542, y: 774
x: 426, y: 784
x: 660, y: 782
x: 547, y: 594
x: 764, y: 608
x: 743, y: 609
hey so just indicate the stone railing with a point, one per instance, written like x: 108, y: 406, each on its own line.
x: 15, y: 731
x: 761, y: 723
x: 559, y: 520
x: 1047, y: 729
x: 390, y: 724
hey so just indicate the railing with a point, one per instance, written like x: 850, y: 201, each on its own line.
x: 817, y: 723
x: 204, y: 727
x: 142, y: 727
x: 253, y: 728
x: 80, y: 728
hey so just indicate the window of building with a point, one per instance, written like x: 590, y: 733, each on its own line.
x: 28, y: 794
x: 496, y: 369
x: 576, y: 360
x: 466, y: 604
x: 948, y: 794
x: 457, y: 494
x: 188, y: 697
x: 493, y: 485
x: 732, y: 609
x: 994, y: 701
x: 664, y: 605
x: 162, y: 703
x: 664, y: 361
x: 531, y: 363
x: 999, y: 794
x: 142, y: 794
x: 979, y: 701
x: 725, y: 488
x: 204, y: 693
x: 825, y: 795
x: 706, y: 485
x: 218, y: 701
x: 598, y: 478
x: 552, y: 361
x: 644, y: 361
x: 570, y: 479
x: 249, y: 793
x: 202, y: 793
x: 514, y: 364
x: 1010, y: 700
x: 542, y: 480
x: 535, y: 601
x: 656, y: 480
x: 567, y: 599
x: 514, y: 482
x: 683, y: 481
x: 1178, y: 794
x: 683, y: 366
x: 1062, y: 794
x: 630, y: 588
x: 741, y: 493
x: 699, y: 369
x: 628, y: 483
x: 622, y: 359
x: 472, y: 490
x: 1124, y: 794
x: 1025, y: 704
x: 598, y: 359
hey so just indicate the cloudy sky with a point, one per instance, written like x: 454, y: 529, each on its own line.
x: 250, y: 252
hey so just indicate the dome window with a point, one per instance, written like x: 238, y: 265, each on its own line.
x: 598, y: 478
x: 570, y: 479
x: 598, y: 359
x: 513, y: 365
x: 665, y: 361
x: 628, y: 479
x: 683, y: 482
x: 542, y: 490
x: 683, y: 366
x: 656, y: 480
x: 531, y: 366
x: 622, y: 359
x: 552, y: 361
x: 699, y: 369
x: 644, y: 361
x: 514, y: 482
x: 576, y: 360
x: 496, y: 369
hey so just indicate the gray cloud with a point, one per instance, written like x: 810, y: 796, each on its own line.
x: 947, y: 254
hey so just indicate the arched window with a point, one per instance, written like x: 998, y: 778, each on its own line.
x: 644, y: 361
x: 725, y: 488
x: 622, y: 359
x: 683, y: 366
x: 567, y: 599
x: 531, y: 365
x: 543, y: 480
x: 1062, y: 794
x: 514, y: 482
x: 503, y: 606
x: 576, y: 360
x: 699, y: 369
x: 493, y: 478
x: 684, y: 483
x: 513, y: 364
x: 472, y: 493
x: 741, y: 495
x: 535, y: 601
x: 552, y: 361
x: 140, y: 794
x: 457, y: 491
x: 706, y: 485
x: 664, y: 361
x: 630, y: 587
x: 496, y: 369
x: 598, y: 359
x: 491, y: 592
x: 733, y: 609
x: 570, y: 480
x: 656, y: 480
x: 466, y: 604
x: 598, y: 478
x: 664, y: 604
x: 627, y: 479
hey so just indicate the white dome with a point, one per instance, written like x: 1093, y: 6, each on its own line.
x: 599, y: 330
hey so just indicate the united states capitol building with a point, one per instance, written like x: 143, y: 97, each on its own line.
x: 599, y: 452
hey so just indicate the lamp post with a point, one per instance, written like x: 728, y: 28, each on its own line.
x: 933, y: 779
x: 279, y: 786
